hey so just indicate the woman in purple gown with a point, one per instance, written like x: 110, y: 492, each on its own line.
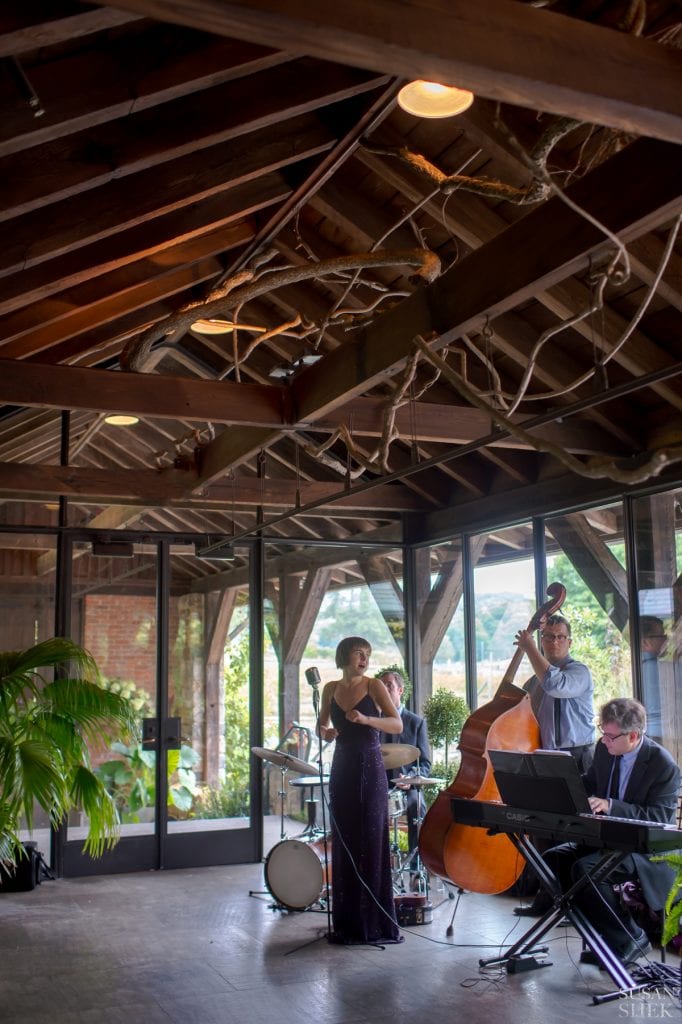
x: 358, y: 708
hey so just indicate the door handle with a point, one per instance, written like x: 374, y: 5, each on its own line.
x: 172, y: 729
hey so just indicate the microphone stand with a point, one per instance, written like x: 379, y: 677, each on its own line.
x: 316, y: 708
x: 320, y: 768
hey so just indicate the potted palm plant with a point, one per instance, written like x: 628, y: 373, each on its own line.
x: 45, y: 725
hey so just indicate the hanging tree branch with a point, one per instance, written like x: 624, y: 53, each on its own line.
x: 378, y: 459
x: 134, y: 354
x: 446, y: 184
x: 595, y: 468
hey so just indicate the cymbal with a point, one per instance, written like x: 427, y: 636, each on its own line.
x: 294, y: 764
x: 309, y: 780
x: 397, y: 754
x: 418, y: 780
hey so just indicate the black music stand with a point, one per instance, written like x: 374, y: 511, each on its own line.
x: 540, y: 780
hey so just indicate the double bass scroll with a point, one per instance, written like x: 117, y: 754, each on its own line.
x: 466, y: 856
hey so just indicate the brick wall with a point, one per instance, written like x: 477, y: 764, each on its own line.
x: 120, y: 632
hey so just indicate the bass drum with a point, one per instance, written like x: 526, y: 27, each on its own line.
x: 295, y: 874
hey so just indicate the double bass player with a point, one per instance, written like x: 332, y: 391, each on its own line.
x: 562, y: 691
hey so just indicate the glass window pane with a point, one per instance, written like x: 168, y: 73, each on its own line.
x: 440, y: 616
x: 208, y: 690
x: 586, y: 552
x: 27, y: 613
x: 504, y: 602
x: 658, y: 538
x: 314, y: 598
x: 113, y: 615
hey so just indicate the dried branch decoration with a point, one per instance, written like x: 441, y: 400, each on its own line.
x: 595, y: 468
x: 378, y: 459
x: 537, y: 190
x: 247, y: 285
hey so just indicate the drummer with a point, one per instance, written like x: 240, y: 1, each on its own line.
x: 414, y: 733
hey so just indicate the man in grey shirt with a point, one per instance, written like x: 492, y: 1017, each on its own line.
x: 562, y: 691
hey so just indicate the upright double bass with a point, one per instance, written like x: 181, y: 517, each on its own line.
x: 468, y: 856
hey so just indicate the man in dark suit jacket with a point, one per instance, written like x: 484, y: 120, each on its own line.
x: 631, y: 777
x: 414, y: 732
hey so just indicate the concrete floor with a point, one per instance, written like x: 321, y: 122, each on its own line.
x: 193, y: 947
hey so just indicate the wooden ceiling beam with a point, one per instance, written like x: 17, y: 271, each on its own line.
x: 305, y: 560
x: 130, y: 296
x: 173, y: 487
x: 509, y: 52
x: 49, y: 23
x: 98, y: 261
x: 100, y: 391
x: 646, y: 255
x: 110, y: 209
x: 548, y: 245
x: 516, y: 338
x: 99, y: 85
x: 363, y: 220
x: 93, y: 157
x: 138, y: 394
x: 455, y: 424
x: 594, y: 561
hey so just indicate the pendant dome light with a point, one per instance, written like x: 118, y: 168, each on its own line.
x: 429, y: 99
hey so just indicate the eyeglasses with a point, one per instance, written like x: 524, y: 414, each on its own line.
x: 554, y: 637
x: 612, y: 735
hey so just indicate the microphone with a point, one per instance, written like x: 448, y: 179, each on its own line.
x: 313, y: 677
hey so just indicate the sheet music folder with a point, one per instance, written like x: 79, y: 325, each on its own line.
x: 542, y: 780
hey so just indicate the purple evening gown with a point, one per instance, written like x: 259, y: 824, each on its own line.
x: 358, y: 792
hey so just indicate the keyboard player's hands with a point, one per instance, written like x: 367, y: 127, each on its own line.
x: 599, y: 804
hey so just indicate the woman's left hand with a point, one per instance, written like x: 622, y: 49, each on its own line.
x: 356, y: 716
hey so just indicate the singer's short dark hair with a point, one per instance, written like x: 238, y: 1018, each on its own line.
x: 347, y: 645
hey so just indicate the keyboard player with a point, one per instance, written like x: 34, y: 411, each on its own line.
x: 631, y: 777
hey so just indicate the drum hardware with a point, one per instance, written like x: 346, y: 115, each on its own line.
x: 409, y: 864
x: 284, y: 762
x: 396, y: 803
x: 313, y: 679
x: 312, y: 829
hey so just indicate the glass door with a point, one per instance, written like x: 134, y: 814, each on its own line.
x: 170, y: 630
x: 114, y: 614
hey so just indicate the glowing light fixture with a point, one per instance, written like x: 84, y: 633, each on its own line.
x: 429, y: 99
x: 120, y: 420
x: 222, y: 327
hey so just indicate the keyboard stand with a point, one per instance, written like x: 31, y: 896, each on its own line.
x: 522, y: 955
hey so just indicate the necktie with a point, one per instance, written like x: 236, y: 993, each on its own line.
x: 557, y: 722
x: 614, y: 788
